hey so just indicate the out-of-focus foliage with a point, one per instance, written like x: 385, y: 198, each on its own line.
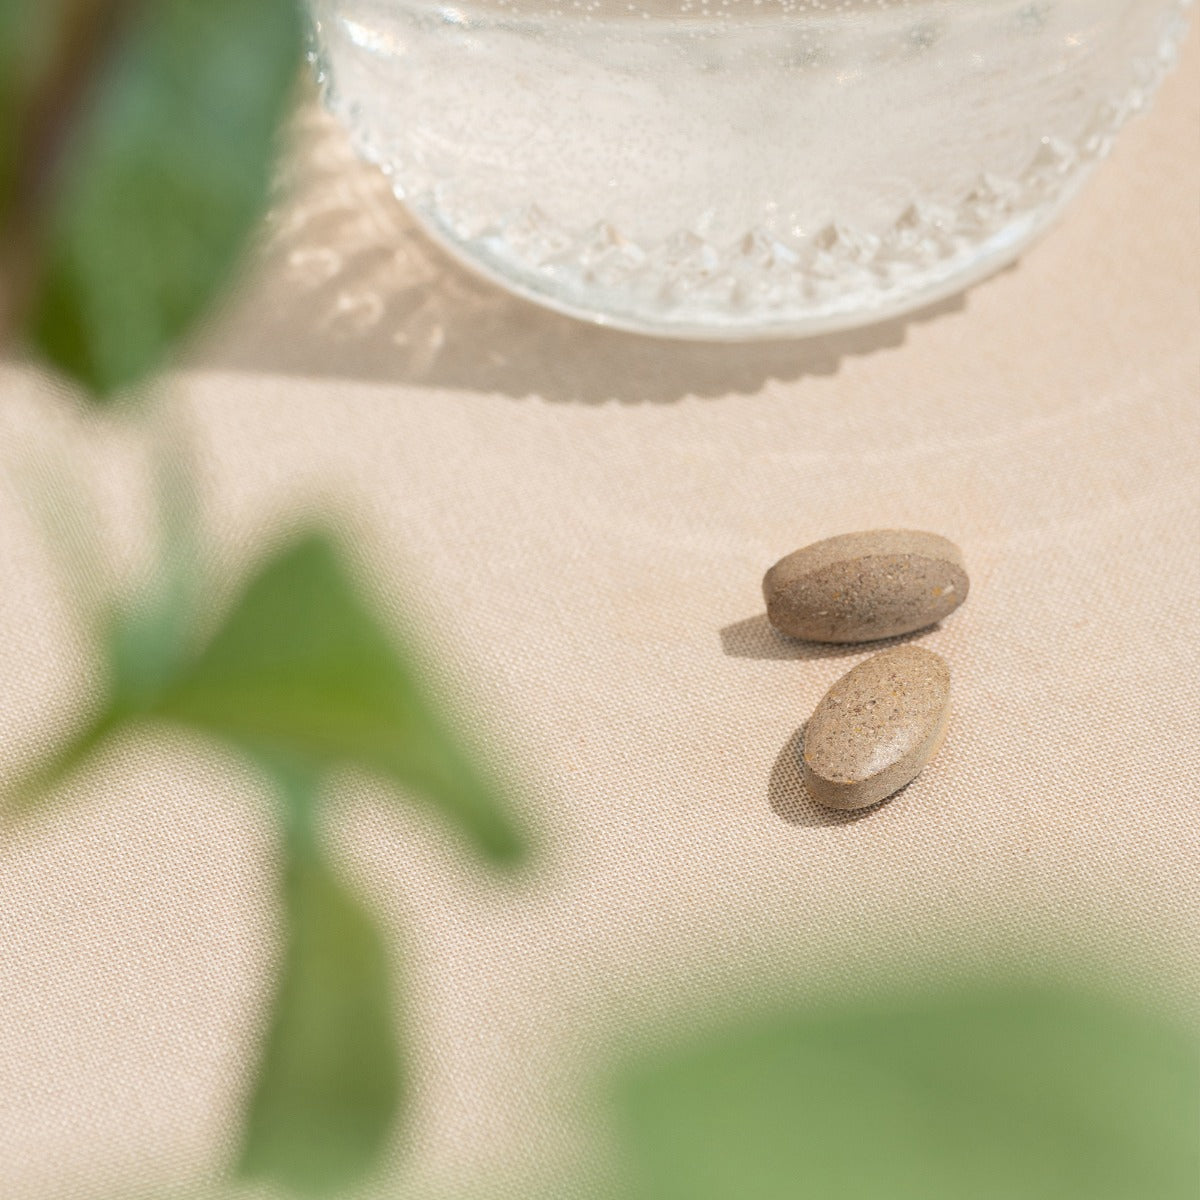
x: 136, y: 143
x: 298, y: 671
x: 989, y: 1095
x: 300, y: 667
x: 301, y: 678
x: 328, y: 1085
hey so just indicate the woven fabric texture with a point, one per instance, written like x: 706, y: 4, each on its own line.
x: 578, y: 522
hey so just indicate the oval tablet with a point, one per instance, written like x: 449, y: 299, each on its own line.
x: 876, y: 727
x: 861, y: 586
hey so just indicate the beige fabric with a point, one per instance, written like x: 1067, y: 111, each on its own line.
x: 580, y: 521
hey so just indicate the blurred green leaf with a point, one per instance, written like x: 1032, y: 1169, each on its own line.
x: 299, y: 673
x: 161, y: 177
x: 328, y: 1084
x: 301, y: 677
x: 301, y: 669
x: 992, y: 1096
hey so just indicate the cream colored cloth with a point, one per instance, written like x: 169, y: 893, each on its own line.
x: 579, y: 521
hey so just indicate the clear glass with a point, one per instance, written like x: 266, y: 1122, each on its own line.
x: 738, y: 168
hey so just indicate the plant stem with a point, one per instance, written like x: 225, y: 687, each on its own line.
x: 88, y: 35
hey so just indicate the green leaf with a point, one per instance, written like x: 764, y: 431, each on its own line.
x: 301, y: 670
x: 164, y: 174
x: 992, y: 1096
x: 328, y: 1085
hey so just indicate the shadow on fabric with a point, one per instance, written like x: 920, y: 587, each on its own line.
x: 789, y: 798
x: 345, y: 285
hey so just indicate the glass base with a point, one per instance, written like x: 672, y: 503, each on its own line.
x: 718, y: 307
x: 761, y: 175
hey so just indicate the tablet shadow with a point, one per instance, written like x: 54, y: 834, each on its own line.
x: 789, y: 798
x: 756, y: 637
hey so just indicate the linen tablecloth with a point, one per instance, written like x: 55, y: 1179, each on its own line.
x: 577, y: 522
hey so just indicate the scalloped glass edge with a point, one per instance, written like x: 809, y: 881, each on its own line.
x: 760, y: 287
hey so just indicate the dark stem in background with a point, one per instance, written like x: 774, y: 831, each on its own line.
x: 88, y: 35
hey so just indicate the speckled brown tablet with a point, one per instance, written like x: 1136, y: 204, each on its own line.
x: 861, y: 586
x: 876, y: 727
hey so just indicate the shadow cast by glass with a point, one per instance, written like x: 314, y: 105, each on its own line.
x: 346, y: 285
